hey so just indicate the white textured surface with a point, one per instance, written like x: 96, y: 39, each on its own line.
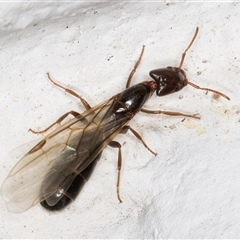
x: 192, y: 188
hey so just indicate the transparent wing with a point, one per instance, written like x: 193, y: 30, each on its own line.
x: 56, y: 160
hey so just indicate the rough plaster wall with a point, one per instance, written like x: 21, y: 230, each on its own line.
x: 191, y: 189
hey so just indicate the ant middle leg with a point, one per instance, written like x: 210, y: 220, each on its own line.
x: 84, y: 102
x: 116, y: 144
x: 138, y: 136
x: 73, y: 113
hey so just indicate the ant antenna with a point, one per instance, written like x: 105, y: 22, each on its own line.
x: 208, y: 89
x: 190, y: 44
x: 193, y: 84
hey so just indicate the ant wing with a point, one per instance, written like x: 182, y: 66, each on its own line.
x: 56, y: 160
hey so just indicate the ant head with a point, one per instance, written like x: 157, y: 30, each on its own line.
x: 173, y: 79
x: 169, y: 80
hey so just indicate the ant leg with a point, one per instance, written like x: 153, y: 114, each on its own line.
x: 84, y: 102
x: 169, y: 113
x: 137, y: 135
x: 75, y: 114
x: 115, y: 144
x: 135, y: 68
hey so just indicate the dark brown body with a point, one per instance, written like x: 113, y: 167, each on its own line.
x: 108, y: 122
x: 55, y: 170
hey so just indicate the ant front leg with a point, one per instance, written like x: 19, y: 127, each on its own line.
x: 135, y: 68
x: 170, y: 113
